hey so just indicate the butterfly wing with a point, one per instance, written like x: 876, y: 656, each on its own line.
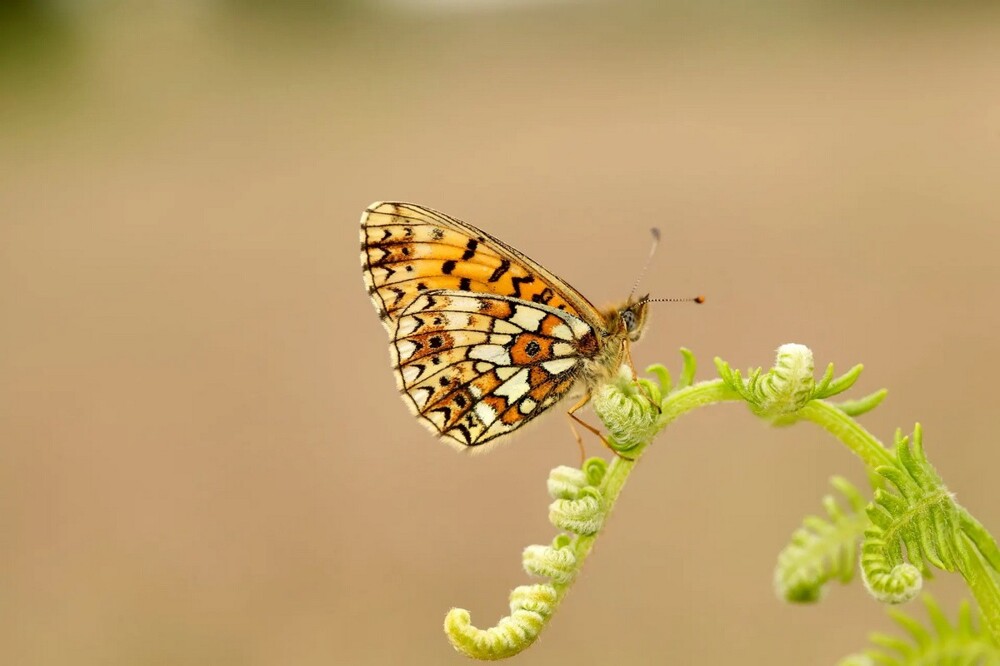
x: 475, y: 367
x: 483, y: 338
x: 407, y: 249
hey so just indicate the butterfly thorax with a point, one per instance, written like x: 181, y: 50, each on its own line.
x: 624, y: 324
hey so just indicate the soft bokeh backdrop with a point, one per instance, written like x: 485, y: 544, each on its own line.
x: 203, y: 459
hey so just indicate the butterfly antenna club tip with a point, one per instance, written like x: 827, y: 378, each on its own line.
x: 652, y: 252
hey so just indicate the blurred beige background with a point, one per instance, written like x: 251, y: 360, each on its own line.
x: 203, y: 459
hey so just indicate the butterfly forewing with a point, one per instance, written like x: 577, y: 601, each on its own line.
x: 407, y: 249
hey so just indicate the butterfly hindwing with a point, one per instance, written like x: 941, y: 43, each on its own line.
x: 475, y: 367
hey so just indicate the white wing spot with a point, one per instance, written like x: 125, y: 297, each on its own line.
x: 580, y: 327
x: 493, y: 353
x: 562, y: 349
x: 406, y: 349
x: 419, y: 304
x: 406, y: 326
x: 504, y: 326
x: 463, y: 303
x: 562, y: 331
x: 559, y: 365
x: 527, y: 318
x: 421, y: 395
x: 485, y: 413
x: 515, y: 387
x: 527, y: 406
x: 410, y: 373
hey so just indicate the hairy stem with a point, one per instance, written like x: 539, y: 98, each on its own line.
x: 702, y: 394
x: 871, y: 451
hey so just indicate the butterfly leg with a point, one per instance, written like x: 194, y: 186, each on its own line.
x: 627, y: 352
x: 579, y: 440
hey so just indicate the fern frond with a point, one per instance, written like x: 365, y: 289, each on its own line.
x: 862, y: 405
x: 920, y: 516
x: 822, y: 549
x: 912, y: 524
x: 961, y: 644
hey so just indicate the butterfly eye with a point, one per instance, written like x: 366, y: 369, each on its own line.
x: 628, y: 317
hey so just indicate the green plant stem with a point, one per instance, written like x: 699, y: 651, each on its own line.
x: 871, y: 451
x: 674, y: 406
x: 979, y: 576
x: 702, y: 394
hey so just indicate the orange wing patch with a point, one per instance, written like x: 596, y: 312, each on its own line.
x: 530, y: 348
x: 407, y: 249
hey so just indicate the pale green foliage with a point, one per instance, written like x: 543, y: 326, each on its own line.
x: 912, y: 524
x: 823, y: 549
x: 961, y: 644
x: 583, y: 515
x: 579, y: 509
x: 628, y: 411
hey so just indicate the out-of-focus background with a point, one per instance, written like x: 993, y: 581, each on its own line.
x: 203, y: 458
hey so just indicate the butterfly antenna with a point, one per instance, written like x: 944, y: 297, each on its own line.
x: 690, y: 299
x: 656, y: 243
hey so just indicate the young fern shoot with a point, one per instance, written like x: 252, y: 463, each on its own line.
x: 912, y: 523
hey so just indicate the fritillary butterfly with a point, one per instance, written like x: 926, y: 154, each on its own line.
x: 482, y: 338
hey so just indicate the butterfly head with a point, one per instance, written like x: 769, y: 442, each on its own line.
x: 633, y: 318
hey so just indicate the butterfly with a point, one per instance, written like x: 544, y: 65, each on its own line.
x: 483, y: 339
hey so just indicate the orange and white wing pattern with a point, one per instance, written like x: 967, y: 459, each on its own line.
x: 475, y: 367
x: 482, y: 338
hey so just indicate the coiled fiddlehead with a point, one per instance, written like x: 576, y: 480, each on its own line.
x: 779, y: 394
x: 578, y: 508
x: 921, y: 516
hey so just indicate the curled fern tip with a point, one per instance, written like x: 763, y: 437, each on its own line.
x: 626, y: 411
